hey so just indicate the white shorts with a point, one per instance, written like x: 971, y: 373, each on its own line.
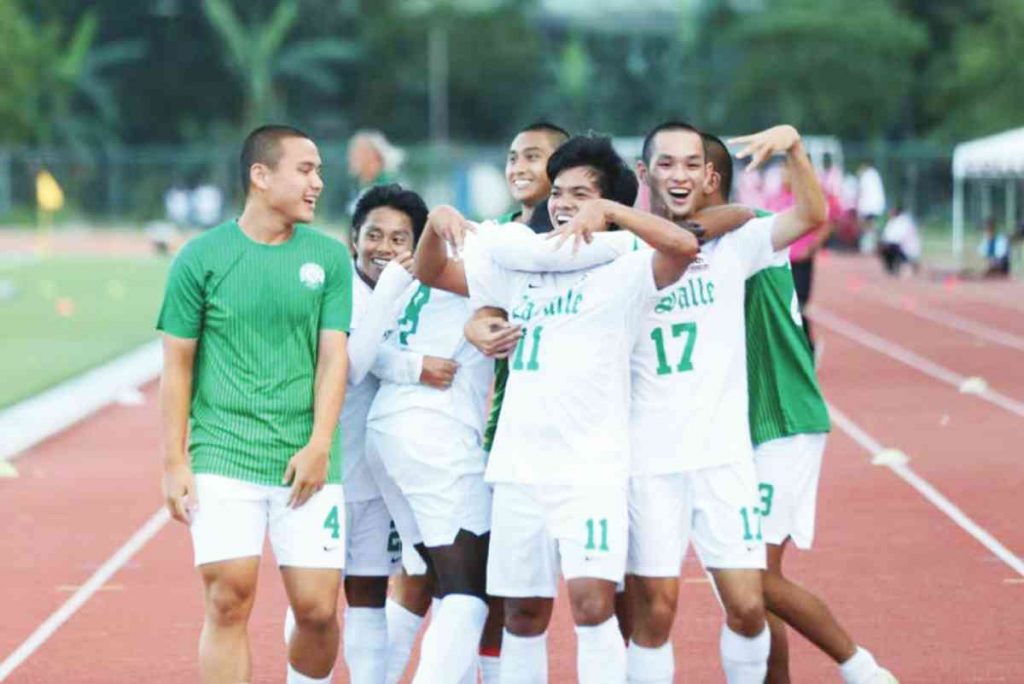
x: 373, y: 547
x: 715, y: 508
x: 233, y: 518
x: 537, y: 530
x: 428, y: 498
x: 788, y: 470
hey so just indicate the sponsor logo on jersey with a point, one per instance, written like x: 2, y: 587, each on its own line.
x: 312, y: 275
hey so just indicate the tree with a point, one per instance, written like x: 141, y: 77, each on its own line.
x: 261, y: 59
x: 981, y: 91
x: 828, y: 66
x: 20, y: 55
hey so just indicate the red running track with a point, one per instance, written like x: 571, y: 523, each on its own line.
x: 931, y: 602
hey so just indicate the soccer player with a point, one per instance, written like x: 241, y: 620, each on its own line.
x: 692, y: 472
x: 424, y: 448
x: 788, y: 425
x: 254, y: 324
x: 388, y: 220
x: 561, y: 456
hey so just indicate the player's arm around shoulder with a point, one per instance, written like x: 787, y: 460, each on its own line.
x: 675, y: 247
x: 810, y: 209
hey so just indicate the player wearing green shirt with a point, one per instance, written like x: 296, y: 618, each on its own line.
x: 788, y: 424
x: 254, y: 324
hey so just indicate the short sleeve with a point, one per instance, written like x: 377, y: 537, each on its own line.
x: 181, y: 313
x: 336, y: 305
x: 752, y: 245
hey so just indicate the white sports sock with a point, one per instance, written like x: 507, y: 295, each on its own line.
x: 650, y: 665
x: 296, y: 677
x: 289, y: 625
x: 490, y: 669
x: 471, y: 674
x: 745, y: 659
x: 524, y: 660
x: 451, y: 641
x: 601, y: 653
x: 403, y: 625
x: 860, y: 668
x: 366, y: 645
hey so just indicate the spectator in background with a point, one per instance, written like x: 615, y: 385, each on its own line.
x: 207, y: 205
x: 901, y: 242
x: 801, y: 252
x: 870, y: 202
x: 372, y: 160
x: 995, y: 249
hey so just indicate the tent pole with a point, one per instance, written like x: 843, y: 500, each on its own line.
x: 1011, y: 206
x: 958, y: 220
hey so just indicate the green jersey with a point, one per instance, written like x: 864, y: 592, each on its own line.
x: 256, y: 311
x: 784, y: 397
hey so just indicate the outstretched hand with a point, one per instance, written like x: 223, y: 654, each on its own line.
x: 591, y: 218
x: 762, y: 146
x: 450, y: 225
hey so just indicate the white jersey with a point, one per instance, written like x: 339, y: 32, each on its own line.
x: 689, y: 364
x: 564, y: 419
x: 363, y: 385
x: 431, y: 323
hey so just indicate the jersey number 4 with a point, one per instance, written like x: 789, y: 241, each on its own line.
x: 677, y: 330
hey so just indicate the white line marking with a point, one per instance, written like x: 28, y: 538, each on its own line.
x: 78, y: 599
x: 40, y: 417
x: 907, y: 474
x: 956, y: 322
x: 894, y: 351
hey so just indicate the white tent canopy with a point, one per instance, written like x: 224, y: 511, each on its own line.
x: 995, y: 157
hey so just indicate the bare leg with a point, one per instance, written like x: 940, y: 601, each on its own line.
x: 229, y: 591
x: 313, y: 595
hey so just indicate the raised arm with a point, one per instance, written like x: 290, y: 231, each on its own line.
x: 725, y: 218
x: 380, y: 314
x: 809, y: 209
x: 433, y: 266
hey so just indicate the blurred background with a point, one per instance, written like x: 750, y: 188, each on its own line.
x: 121, y: 122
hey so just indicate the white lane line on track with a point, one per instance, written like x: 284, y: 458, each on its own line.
x: 894, y: 351
x: 925, y: 489
x: 949, y: 320
x: 84, y: 593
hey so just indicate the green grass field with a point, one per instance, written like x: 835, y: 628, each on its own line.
x: 64, y: 315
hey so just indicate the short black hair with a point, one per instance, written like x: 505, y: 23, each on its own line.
x: 556, y: 131
x: 718, y: 154
x: 648, y: 148
x: 398, y: 198
x: 614, y: 177
x: 263, y: 146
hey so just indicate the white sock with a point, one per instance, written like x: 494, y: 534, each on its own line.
x: 490, y: 669
x: 471, y: 674
x: 524, y: 660
x: 450, y: 644
x: 860, y: 668
x: 403, y: 626
x: 745, y: 659
x: 600, y: 653
x: 296, y: 677
x: 366, y: 645
x: 650, y: 665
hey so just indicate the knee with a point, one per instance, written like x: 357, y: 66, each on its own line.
x: 745, y: 614
x: 592, y: 608
x: 313, y: 614
x: 774, y: 585
x: 653, y: 621
x: 229, y: 603
x: 524, y: 618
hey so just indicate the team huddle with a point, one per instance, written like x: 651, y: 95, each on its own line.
x: 651, y: 388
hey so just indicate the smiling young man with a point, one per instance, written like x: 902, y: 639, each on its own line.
x: 560, y: 457
x: 254, y: 324
x: 788, y: 426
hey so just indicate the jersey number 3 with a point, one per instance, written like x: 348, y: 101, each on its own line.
x: 677, y: 330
